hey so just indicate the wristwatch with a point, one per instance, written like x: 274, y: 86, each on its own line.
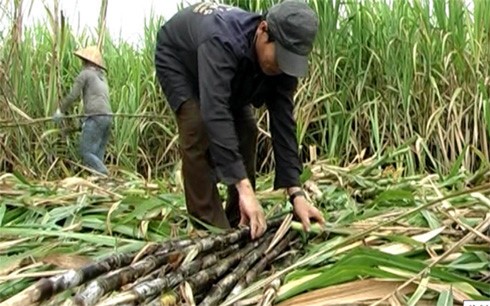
x: 295, y: 194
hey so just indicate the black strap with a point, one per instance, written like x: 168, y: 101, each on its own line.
x: 295, y: 194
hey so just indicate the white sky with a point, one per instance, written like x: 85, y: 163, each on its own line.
x: 125, y: 18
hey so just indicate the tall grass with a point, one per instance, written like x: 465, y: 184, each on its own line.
x: 383, y: 74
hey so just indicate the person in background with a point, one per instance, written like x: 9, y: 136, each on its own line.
x: 91, y: 83
x: 213, y: 63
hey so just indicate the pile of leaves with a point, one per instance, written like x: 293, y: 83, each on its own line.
x: 389, y: 238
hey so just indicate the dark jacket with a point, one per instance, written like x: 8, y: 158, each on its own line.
x: 206, y: 52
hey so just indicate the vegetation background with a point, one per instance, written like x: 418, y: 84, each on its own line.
x: 393, y: 123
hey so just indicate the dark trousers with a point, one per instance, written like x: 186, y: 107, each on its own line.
x: 201, y: 193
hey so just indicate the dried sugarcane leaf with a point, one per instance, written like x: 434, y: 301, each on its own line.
x: 270, y: 293
x: 401, y: 248
x: 67, y: 261
x: 281, y: 232
x: 421, y: 289
x: 187, y: 294
x: 348, y: 293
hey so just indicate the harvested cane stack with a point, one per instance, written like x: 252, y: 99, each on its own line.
x: 206, y: 270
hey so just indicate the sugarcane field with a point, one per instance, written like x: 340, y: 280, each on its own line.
x: 245, y: 152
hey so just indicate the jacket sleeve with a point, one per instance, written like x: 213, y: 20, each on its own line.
x: 283, y: 129
x: 217, y: 66
x: 74, y: 93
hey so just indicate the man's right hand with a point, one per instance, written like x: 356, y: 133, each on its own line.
x: 250, y: 210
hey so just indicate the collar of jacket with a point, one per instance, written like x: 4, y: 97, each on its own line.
x: 252, y: 53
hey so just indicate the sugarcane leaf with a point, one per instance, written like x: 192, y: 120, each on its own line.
x: 191, y: 255
x: 281, y: 232
x: 445, y: 298
x: 21, y: 178
x: 34, y: 252
x: 408, y: 245
x: 405, y: 240
x: 483, y: 256
x: 431, y: 219
x: 96, y: 239
x: 367, y: 260
x: 3, y: 209
x: 475, y: 266
x: 457, y: 164
x: 415, y: 298
x: 471, y: 257
x: 187, y: 294
x: 66, y: 261
x: 350, y: 293
x: 141, y: 207
x: 305, y: 175
x: 210, y: 228
x: 336, y: 275
x: 328, y: 244
x: 462, y: 286
x: 399, y: 197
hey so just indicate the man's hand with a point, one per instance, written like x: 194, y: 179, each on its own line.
x: 58, y: 115
x: 250, y: 211
x: 305, y: 211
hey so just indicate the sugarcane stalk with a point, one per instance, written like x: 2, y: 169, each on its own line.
x: 48, y: 287
x: 220, y: 290
x: 115, y: 280
x: 173, y: 279
x: 198, y: 281
x: 221, y: 240
x: 252, y: 275
x: 155, y: 302
x: 155, y: 286
x: 151, y: 276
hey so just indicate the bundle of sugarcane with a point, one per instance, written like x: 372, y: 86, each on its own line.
x: 197, y: 262
x: 210, y: 279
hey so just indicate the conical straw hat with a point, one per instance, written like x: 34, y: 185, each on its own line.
x: 93, y: 55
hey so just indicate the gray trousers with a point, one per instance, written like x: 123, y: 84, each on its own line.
x: 93, y: 142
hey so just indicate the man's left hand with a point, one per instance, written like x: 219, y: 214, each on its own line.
x: 305, y: 211
x: 58, y: 115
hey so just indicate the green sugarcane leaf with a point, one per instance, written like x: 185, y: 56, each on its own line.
x: 445, y: 298
x: 421, y: 289
x: 399, y: 197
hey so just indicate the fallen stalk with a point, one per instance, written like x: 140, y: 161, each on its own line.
x: 223, y: 287
x: 252, y: 275
x: 199, y: 281
x: 116, y: 279
x: 151, y: 288
x: 46, y: 288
